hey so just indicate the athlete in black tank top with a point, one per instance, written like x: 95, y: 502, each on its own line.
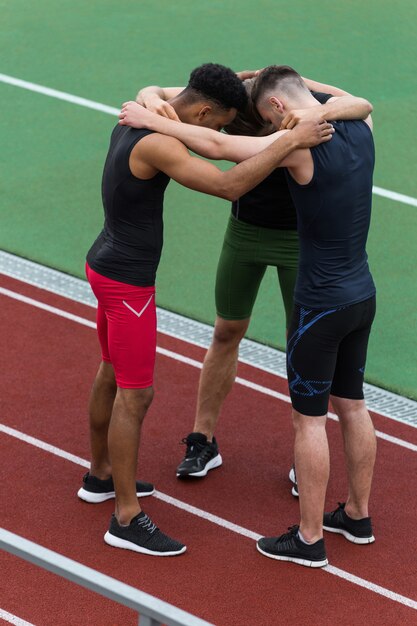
x: 129, y: 247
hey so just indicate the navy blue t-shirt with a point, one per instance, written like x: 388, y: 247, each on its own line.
x: 333, y: 213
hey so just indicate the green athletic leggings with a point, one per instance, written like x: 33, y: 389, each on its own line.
x: 247, y: 251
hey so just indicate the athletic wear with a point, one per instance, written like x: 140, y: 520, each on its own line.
x: 270, y: 204
x: 333, y: 212
x: 200, y: 457
x: 247, y: 252
x: 129, y: 247
x: 289, y: 547
x: 142, y: 535
x: 95, y: 490
x: 262, y: 234
x: 326, y: 354
x: 126, y: 327
x: 356, y: 531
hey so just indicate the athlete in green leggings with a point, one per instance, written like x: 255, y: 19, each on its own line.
x: 261, y: 232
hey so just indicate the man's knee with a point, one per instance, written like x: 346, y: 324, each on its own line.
x: 229, y: 333
x: 307, y: 422
x: 346, y: 408
x: 136, y: 401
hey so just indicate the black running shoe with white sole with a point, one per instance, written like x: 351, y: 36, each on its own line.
x: 357, y: 531
x: 143, y: 536
x: 95, y: 490
x: 289, y: 547
x: 200, y: 457
x: 293, y: 478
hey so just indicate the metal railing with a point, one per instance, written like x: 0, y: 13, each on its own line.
x: 152, y: 611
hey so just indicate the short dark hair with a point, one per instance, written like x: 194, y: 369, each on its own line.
x: 248, y: 121
x: 270, y: 77
x: 219, y: 84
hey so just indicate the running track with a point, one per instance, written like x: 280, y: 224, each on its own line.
x: 48, y: 364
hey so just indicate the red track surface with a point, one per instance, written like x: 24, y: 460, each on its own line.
x: 48, y: 364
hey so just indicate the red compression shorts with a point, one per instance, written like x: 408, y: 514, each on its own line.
x: 126, y: 327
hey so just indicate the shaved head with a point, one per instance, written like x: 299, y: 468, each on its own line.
x: 280, y: 81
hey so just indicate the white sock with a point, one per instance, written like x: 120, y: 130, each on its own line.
x: 300, y: 536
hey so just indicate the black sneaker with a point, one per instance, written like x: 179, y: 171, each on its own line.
x: 200, y: 457
x: 142, y: 535
x: 356, y: 531
x: 289, y: 547
x: 95, y: 490
x: 293, y: 478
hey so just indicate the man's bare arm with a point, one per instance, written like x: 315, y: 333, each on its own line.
x: 212, y: 144
x: 168, y: 155
x: 155, y: 99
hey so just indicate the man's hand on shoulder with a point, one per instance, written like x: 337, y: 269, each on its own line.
x: 311, y: 133
x: 296, y: 116
x: 133, y: 114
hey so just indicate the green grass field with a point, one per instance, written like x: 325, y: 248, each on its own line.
x: 53, y: 151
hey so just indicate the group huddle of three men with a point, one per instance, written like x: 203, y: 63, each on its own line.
x: 301, y: 201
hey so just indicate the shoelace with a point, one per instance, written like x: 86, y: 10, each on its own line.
x: 191, y: 446
x: 293, y: 533
x: 341, y: 507
x: 147, y: 524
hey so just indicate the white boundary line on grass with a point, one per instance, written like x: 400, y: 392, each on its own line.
x: 214, y: 519
x: 104, y: 108
x: 188, y: 361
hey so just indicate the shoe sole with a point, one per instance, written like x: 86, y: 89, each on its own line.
x: 96, y: 498
x: 117, y: 542
x: 215, y: 462
x: 293, y: 559
x: 347, y: 535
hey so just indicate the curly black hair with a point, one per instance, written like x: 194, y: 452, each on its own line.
x: 218, y: 84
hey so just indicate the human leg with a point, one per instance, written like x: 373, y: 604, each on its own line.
x: 352, y: 518
x: 129, y: 410
x: 98, y: 483
x: 100, y: 409
x: 218, y: 373
x: 360, y: 452
x: 239, y: 275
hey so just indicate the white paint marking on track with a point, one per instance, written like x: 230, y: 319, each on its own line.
x: 13, y: 619
x: 214, y: 519
x: 104, y: 108
x: 372, y: 587
x: 192, y: 362
x: 44, y: 446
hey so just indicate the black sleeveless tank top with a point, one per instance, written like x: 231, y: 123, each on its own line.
x: 128, y: 249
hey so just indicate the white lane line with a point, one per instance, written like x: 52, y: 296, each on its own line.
x: 47, y: 307
x: 214, y: 519
x: 188, y: 361
x: 47, y: 447
x: 60, y: 95
x: 393, y: 195
x: 13, y: 619
x: 104, y: 108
